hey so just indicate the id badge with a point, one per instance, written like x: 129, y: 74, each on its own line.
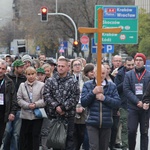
x: 139, y: 89
x: 1, y: 99
x: 30, y: 95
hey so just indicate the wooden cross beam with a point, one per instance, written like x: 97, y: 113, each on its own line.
x: 99, y: 30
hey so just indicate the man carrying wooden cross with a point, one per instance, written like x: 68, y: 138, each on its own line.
x: 99, y: 95
x: 100, y: 101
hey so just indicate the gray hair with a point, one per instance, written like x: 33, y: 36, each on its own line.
x: 3, y: 62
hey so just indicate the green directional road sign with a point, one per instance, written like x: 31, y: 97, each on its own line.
x: 125, y: 17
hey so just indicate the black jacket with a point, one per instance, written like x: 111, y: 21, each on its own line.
x: 10, y: 98
x: 119, y: 83
x: 129, y: 88
x: 16, y: 79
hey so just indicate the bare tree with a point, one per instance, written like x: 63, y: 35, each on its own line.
x: 46, y: 35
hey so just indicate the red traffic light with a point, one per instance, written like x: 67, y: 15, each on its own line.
x: 44, y: 14
x: 75, y: 43
x: 44, y: 10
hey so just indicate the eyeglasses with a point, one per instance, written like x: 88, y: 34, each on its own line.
x: 138, y: 59
x: 117, y: 61
x: 76, y: 65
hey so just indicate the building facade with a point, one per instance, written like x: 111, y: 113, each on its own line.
x: 145, y: 4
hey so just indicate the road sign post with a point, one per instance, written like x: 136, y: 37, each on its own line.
x: 84, y: 39
x: 106, y: 48
x: 99, y: 30
x: 125, y: 17
x: 84, y: 47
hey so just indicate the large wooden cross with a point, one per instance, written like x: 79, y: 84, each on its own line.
x: 99, y: 30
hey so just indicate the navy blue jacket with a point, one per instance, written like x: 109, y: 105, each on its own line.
x: 119, y: 83
x: 100, y: 113
x: 129, y: 88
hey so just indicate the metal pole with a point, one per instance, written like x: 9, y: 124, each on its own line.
x: 56, y: 7
x: 62, y: 14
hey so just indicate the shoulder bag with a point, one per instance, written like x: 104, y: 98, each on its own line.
x: 38, y: 112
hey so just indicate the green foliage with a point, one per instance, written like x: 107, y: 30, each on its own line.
x: 143, y: 45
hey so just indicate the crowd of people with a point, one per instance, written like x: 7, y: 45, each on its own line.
x: 99, y: 117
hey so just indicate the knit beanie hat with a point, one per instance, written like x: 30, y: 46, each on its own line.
x: 142, y: 56
x: 18, y: 63
x: 40, y: 70
x: 26, y: 58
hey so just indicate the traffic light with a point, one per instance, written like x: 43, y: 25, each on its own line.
x: 75, y: 46
x: 44, y: 14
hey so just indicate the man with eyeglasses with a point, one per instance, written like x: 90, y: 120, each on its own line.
x: 128, y: 65
x: 116, y: 63
x: 134, y: 86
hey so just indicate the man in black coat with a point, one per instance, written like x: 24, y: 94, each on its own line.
x: 134, y: 86
x: 12, y: 131
x: 8, y: 99
x: 128, y: 65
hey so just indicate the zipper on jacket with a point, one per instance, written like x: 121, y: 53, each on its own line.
x: 100, y: 115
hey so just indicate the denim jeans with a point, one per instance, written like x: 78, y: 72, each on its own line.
x: 44, y: 133
x: 2, y: 128
x: 86, y: 141
x: 11, y: 135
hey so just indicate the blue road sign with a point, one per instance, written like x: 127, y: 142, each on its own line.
x: 12, y: 48
x: 107, y: 48
x: 65, y: 44
x: 147, y: 65
x: 122, y: 12
x: 93, y: 46
x: 84, y: 47
x: 38, y: 48
x: 61, y: 48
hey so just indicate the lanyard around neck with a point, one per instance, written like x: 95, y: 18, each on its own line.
x: 1, y: 83
x: 141, y: 76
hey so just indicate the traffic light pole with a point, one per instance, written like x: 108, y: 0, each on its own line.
x: 62, y: 14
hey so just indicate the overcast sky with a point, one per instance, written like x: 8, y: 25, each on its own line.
x: 6, y: 12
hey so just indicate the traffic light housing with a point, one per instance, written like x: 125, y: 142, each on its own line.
x: 75, y: 46
x: 44, y: 14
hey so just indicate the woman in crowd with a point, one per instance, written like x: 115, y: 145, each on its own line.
x: 30, y: 96
x: 79, y: 128
x: 109, y: 77
x: 40, y: 74
x: 48, y: 70
x: 45, y: 126
x: 88, y: 70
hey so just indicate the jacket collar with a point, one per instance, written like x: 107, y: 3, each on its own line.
x: 94, y: 82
